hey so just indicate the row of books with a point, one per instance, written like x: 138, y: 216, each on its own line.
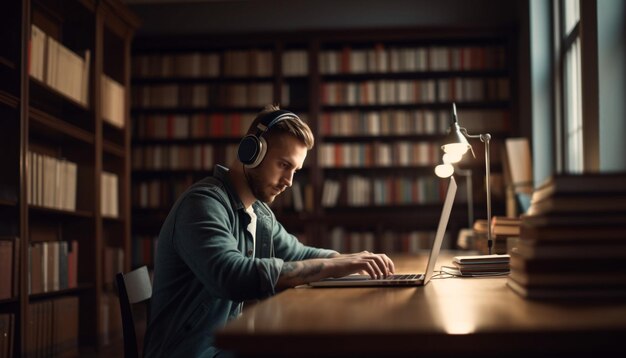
x: 58, y: 66
x: 400, y: 153
x: 113, y: 103
x: 158, y: 193
x: 52, y: 328
x: 9, y: 266
x: 343, y: 240
x: 573, y: 239
x: 53, y: 266
x: 7, y: 332
x: 364, y: 191
x: 235, y: 63
x: 191, y: 64
x: 109, y: 200
x: 295, y: 63
x: 248, y: 63
x: 192, y: 126
x: 206, y: 95
x: 52, y: 182
x: 377, y: 59
x: 144, y: 250
x: 387, y: 122
x: 407, y: 122
x: 411, y: 59
x: 380, y: 92
x: 505, y: 232
x: 174, y: 157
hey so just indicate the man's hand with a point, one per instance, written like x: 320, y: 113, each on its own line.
x: 365, y: 262
x: 300, y: 272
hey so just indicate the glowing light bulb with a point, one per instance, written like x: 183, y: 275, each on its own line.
x: 449, y: 158
x: 456, y: 148
x: 444, y: 170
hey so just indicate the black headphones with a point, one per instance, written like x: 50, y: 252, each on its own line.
x: 253, y: 147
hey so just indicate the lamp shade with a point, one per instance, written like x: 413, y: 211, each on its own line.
x: 455, y: 142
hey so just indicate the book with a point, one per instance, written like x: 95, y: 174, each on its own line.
x: 596, y: 233
x: 568, y: 293
x: 580, y: 249
x: 557, y: 279
x: 505, y: 226
x: 579, y: 204
x: 577, y: 219
x: 567, y: 264
x: 481, y: 259
x: 477, y: 268
x: 575, y: 184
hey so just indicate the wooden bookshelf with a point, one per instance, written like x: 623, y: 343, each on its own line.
x: 378, y: 101
x: 57, y: 142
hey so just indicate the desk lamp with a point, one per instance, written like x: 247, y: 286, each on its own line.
x: 454, y: 147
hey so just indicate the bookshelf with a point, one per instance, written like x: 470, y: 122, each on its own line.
x: 378, y: 102
x: 56, y: 120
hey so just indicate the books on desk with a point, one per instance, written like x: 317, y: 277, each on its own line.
x: 573, y: 240
x: 479, y: 265
x: 502, y: 230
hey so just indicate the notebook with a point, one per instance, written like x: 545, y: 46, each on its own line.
x: 416, y: 279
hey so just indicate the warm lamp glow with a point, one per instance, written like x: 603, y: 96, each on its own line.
x: 450, y: 158
x: 444, y: 170
x: 457, y: 149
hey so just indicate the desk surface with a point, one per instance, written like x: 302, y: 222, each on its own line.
x: 448, y: 316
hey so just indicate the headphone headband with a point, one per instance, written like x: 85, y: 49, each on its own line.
x: 252, y: 147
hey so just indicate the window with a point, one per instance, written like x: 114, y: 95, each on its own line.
x: 570, y: 128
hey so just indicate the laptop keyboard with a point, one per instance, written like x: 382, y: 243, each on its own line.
x: 403, y: 277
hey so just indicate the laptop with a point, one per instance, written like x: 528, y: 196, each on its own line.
x: 418, y: 279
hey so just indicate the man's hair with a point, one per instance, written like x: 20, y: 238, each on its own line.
x: 292, y: 125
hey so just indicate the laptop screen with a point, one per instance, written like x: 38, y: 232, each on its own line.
x: 441, y: 229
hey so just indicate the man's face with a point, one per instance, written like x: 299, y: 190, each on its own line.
x: 285, y: 155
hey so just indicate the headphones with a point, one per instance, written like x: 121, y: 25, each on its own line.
x: 253, y: 147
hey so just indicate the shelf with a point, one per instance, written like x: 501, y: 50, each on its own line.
x: 198, y: 80
x: 195, y: 110
x: 52, y: 127
x: 113, y: 149
x: 9, y: 99
x: 112, y: 220
x: 187, y: 141
x: 5, y: 202
x: 381, y: 138
x: 68, y: 291
x: 430, y: 106
x: 335, y: 77
x: 5, y: 62
x: 40, y: 210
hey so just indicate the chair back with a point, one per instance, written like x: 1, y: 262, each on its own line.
x: 133, y: 287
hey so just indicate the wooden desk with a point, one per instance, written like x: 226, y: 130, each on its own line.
x: 470, y: 316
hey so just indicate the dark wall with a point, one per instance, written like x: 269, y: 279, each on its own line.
x: 211, y: 17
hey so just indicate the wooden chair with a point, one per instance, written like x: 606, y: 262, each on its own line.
x: 133, y: 287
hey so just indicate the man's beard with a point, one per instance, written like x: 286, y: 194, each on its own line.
x: 256, y: 186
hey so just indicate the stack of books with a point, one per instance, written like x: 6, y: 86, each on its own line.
x: 573, y: 239
x: 478, y: 265
x: 504, y: 232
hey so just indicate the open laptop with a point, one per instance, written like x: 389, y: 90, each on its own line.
x: 403, y: 279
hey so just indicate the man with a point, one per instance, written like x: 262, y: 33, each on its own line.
x: 221, y: 245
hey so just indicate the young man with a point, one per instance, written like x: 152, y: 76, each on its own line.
x: 221, y: 245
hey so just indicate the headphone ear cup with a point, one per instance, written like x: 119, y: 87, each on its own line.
x: 262, y: 149
x: 249, y: 149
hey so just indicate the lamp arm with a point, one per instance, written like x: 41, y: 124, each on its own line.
x: 485, y: 138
